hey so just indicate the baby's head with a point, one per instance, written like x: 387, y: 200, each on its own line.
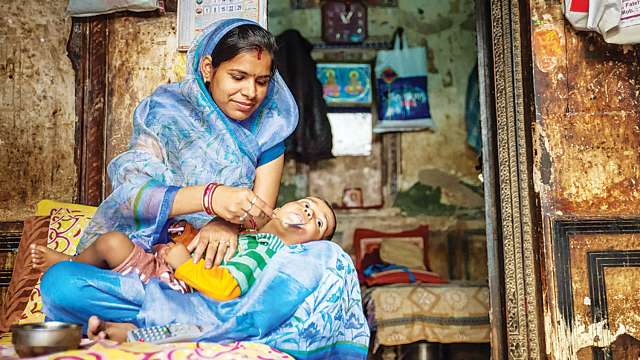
x: 315, y: 216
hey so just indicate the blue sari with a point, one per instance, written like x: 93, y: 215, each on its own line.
x: 181, y: 138
x: 306, y: 303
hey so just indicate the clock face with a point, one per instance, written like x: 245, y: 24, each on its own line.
x: 344, y: 22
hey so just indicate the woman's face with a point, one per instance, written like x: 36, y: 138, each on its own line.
x: 239, y: 85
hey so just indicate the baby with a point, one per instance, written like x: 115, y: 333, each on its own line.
x: 296, y: 222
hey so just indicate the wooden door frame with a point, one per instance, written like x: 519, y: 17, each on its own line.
x: 512, y: 209
x: 87, y: 48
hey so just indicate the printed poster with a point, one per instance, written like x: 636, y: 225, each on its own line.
x: 195, y: 15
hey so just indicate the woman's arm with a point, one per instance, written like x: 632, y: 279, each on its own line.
x: 219, y: 238
x: 267, y: 184
x: 229, y: 203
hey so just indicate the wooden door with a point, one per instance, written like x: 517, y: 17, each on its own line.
x: 564, y: 166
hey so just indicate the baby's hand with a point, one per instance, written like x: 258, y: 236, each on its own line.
x: 176, y: 255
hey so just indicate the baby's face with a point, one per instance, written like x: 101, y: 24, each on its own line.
x: 315, y: 217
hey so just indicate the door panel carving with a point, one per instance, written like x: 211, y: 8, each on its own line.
x: 597, y: 280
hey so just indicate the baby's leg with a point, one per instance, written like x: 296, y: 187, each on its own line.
x: 108, y: 251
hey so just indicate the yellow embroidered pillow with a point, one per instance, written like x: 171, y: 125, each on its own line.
x: 404, y: 253
x: 66, y: 222
x: 45, y: 207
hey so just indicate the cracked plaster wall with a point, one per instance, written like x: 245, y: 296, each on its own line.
x: 37, y: 107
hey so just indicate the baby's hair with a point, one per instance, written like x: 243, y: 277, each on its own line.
x: 335, y: 221
x: 241, y: 39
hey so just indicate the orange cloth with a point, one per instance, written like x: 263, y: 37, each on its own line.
x: 186, y: 235
x: 216, y: 283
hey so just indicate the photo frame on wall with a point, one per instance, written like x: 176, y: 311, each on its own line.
x: 346, y: 84
x: 307, y: 4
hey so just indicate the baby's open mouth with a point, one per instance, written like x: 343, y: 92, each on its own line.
x: 294, y: 219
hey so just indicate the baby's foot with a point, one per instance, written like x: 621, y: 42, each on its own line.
x: 42, y: 257
x: 98, y: 329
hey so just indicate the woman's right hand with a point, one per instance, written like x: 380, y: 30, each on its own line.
x: 236, y: 205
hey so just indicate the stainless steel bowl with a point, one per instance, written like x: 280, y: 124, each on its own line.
x: 45, y: 338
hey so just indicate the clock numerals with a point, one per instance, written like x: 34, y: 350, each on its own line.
x: 344, y: 23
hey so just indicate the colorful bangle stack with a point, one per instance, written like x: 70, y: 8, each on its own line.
x: 252, y: 224
x: 207, y: 198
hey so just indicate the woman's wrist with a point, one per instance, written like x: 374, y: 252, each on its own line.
x: 207, y: 197
x: 219, y: 220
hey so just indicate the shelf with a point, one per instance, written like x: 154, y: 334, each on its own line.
x: 371, y: 44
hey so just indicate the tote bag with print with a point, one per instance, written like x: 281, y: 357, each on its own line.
x: 401, y: 79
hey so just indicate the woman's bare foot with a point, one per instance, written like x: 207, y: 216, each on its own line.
x: 42, y: 257
x: 98, y: 329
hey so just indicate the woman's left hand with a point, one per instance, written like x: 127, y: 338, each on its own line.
x: 216, y: 240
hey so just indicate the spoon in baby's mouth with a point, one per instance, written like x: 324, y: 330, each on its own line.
x: 296, y: 224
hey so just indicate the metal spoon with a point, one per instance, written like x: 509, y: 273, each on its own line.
x: 298, y: 225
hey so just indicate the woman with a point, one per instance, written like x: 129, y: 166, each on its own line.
x: 225, y: 123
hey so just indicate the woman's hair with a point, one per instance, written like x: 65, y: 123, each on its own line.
x: 241, y: 39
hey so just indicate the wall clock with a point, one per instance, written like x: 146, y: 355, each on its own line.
x: 344, y: 22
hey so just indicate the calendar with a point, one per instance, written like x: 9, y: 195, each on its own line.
x: 195, y: 15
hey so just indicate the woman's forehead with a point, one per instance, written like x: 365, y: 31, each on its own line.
x: 249, y: 62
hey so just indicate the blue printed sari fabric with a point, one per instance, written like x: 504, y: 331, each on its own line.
x: 180, y: 138
x: 306, y: 303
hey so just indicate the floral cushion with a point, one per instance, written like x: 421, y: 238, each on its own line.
x: 24, y: 277
x: 66, y: 222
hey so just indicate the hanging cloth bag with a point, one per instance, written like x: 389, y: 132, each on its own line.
x: 401, y: 78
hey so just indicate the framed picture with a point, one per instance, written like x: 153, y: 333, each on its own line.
x: 352, y: 198
x: 345, y: 84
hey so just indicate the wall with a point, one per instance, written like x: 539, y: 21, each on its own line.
x: 586, y: 144
x: 141, y: 56
x: 439, y: 159
x: 447, y: 29
x: 37, y: 111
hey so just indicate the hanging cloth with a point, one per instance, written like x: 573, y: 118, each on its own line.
x: 312, y: 140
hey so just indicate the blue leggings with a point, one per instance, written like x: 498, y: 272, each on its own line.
x: 72, y: 292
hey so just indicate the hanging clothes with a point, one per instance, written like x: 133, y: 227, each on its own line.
x: 472, y: 112
x: 312, y: 139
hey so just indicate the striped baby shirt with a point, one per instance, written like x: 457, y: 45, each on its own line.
x: 236, y: 276
x: 254, y: 251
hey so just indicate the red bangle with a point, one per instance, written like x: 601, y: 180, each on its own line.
x: 252, y: 224
x: 207, y: 198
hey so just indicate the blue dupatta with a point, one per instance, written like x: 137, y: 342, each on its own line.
x: 181, y: 138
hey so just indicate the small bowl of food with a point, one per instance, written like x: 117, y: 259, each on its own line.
x: 30, y: 340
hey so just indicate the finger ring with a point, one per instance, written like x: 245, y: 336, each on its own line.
x: 244, y: 216
x: 253, y: 201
